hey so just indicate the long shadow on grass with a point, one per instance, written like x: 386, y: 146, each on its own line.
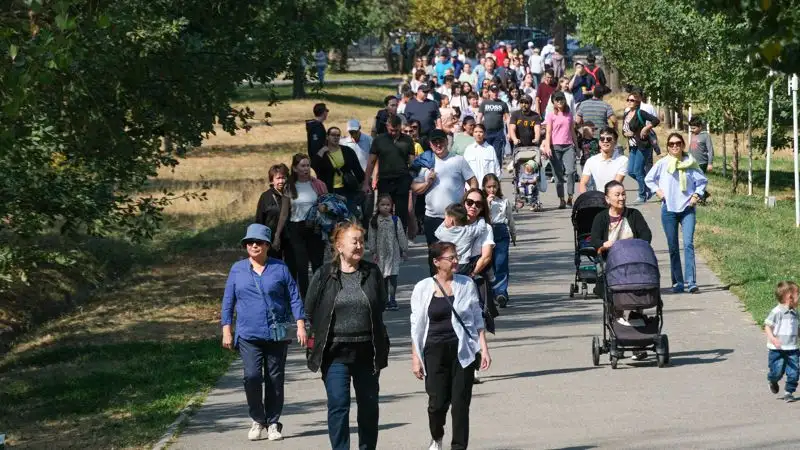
x: 284, y: 94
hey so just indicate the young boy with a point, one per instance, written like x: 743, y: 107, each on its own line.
x: 528, y: 182
x: 781, y: 328
x: 455, y: 230
x: 701, y: 147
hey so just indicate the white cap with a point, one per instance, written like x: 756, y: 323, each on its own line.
x: 501, y: 43
x: 353, y: 125
x: 530, y: 44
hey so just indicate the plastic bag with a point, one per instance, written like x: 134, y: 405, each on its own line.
x: 543, y: 175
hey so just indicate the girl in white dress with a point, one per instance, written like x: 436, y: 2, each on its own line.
x: 389, y: 245
x: 505, y: 233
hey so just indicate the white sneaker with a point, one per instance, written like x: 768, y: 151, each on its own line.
x: 256, y: 432
x: 273, y: 433
x: 435, y: 445
x: 624, y: 322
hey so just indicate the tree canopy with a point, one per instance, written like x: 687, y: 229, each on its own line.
x: 479, y: 19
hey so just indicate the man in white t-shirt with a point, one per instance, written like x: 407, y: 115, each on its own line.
x: 604, y: 166
x: 481, y: 156
x: 358, y: 141
x: 443, y: 184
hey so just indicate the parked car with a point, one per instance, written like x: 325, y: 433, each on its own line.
x: 577, y: 50
x: 518, y: 36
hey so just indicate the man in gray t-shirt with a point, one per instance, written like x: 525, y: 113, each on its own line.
x: 443, y: 184
x: 701, y: 146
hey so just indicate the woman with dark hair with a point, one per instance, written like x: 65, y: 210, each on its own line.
x: 339, y: 168
x: 448, y: 344
x: 273, y: 206
x: 559, y: 144
x: 636, y: 126
x: 480, y: 266
x: 345, y: 304
x: 301, y: 242
x: 504, y: 232
x: 680, y: 183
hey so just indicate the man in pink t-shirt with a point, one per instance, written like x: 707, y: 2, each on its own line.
x: 559, y: 146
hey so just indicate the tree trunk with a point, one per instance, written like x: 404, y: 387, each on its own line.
x: 668, y: 116
x: 749, y: 150
x: 724, y: 150
x: 340, y: 61
x: 299, y: 80
x: 735, y: 166
x: 612, y: 75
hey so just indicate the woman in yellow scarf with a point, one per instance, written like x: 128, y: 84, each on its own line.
x: 678, y: 181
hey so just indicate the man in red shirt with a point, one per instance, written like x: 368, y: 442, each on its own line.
x: 500, y: 53
x: 544, y: 91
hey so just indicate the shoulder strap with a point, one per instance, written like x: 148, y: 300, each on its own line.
x: 260, y: 291
x: 396, y: 233
x: 452, y: 308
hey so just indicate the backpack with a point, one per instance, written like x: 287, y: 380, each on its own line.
x: 593, y: 73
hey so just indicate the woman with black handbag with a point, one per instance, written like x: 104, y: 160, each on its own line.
x: 448, y: 344
x: 339, y: 168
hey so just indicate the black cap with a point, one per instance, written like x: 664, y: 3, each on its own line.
x: 526, y: 99
x: 494, y: 87
x: 437, y: 135
x: 424, y: 87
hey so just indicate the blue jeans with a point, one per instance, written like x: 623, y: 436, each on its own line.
x: 784, y: 361
x: 502, y: 239
x: 264, y: 366
x: 337, y: 385
x: 497, y: 139
x: 321, y: 73
x: 670, y: 222
x: 637, y: 160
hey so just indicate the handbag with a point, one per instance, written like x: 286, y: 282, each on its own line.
x: 278, y: 329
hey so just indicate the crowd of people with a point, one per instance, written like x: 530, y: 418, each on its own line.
x: 432, y: 166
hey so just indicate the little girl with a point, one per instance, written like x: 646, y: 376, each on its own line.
x: 504, y: 233
x: 388, y: 243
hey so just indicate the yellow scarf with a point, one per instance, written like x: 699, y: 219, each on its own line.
x: 674, y: 164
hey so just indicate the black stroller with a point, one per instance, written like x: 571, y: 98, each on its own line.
x: 631, y: 283
x: 586, y: 207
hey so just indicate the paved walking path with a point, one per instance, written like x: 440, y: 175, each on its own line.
x: 542, y: 390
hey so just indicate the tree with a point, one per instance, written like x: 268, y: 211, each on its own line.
x: 387, y: 20
x: 481, y: 19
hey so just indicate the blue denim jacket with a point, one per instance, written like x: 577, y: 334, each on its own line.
x: 256, y: 313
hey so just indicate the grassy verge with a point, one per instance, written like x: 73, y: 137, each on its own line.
x: 751, y: 247
x: 115, y: 370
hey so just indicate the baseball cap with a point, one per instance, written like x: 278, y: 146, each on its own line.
x: 501, y: 43
x: 530, y: 44
x: 353, y: 125
x: 437, y: 135
x: 526, y: 99
x: 424, y: 87
x: 494, y: 87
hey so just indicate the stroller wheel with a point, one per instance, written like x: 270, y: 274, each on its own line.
x: 595, y: 351
x: 662, y: 350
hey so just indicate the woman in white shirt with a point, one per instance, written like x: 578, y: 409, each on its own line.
x: 448, y: 344
x: 481, y: 156
x: 302, y: 244
x: 504, y: 234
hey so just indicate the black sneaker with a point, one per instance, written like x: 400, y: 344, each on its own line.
x: 562, y: 204
x: 773, y: 387
x: 392, y: 306
x: 502, y: 301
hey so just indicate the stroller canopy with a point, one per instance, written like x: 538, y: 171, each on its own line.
x: 632, y: 265
x: 586, y: 206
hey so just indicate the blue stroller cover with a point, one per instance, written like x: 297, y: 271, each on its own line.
x: 632, y: 265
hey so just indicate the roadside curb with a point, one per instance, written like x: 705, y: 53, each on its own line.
x: 183, y: 417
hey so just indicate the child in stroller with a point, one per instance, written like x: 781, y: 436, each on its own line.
x: 526, y: 178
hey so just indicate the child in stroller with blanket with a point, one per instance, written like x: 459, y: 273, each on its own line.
x: 526, y: 180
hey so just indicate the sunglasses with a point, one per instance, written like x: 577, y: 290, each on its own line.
x: 473, y: 204
x: 606, y: 139
x: 674, y: 144
x: 631, y: 100
x: 254, y: 242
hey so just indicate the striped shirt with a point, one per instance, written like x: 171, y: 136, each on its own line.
x: 597, y: 112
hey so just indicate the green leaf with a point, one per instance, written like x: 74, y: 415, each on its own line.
x: 12, y: 51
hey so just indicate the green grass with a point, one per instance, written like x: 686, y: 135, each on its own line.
x: 751, y: 247
x: 104, y: 396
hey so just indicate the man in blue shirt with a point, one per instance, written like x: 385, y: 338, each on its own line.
x: 442, y: 66
x: 263, y: 295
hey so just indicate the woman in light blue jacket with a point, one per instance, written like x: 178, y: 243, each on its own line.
x: 448, y: 343
x: 678, y: 181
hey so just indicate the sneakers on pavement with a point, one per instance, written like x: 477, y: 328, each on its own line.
x: 502, y: 301
x: 436, y: 445
x: 677, y: 288
x: 274, y: 432
x: 788, y: 397
x: 392, y: 305
x: 257, y: 432
x: 773, y: 387
x: 693, y: 289
x: 562, y: 204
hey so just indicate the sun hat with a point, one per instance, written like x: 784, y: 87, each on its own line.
x: 257, y: 232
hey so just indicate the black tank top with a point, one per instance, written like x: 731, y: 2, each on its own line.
x: 440, y: 314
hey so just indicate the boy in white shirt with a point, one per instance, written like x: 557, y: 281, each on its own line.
x: 781, y: 328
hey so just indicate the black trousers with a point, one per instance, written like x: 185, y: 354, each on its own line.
x: 398, y: 188
x: 301, y: 246
x: 448, y: 384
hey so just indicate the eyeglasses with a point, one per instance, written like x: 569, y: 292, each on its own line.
x: 606, y: 139
x: 470, y: 203
x: 451, y: 258
x: 674, y: 144
x: 254, y: 242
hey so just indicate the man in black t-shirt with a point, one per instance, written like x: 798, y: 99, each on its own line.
x: 424, y: 110
x: 315, y: 129
x: 394, y: 153
x: 493, y: 114
x: 524, y: 128
x: 390, y: 103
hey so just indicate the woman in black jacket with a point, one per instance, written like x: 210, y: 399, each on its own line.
x: 345, y: 303
x: 338, y: 167
x: 270, y: 206
x: 618, y: 221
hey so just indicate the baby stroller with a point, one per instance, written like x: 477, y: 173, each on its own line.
x: 586, y: 207
x: 530, y: 194
x: 631, y: 283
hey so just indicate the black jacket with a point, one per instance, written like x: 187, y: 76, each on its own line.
x: 319, y: 305
x: 269, y: 209
x: 635, y: 219
x: 325, y: 171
